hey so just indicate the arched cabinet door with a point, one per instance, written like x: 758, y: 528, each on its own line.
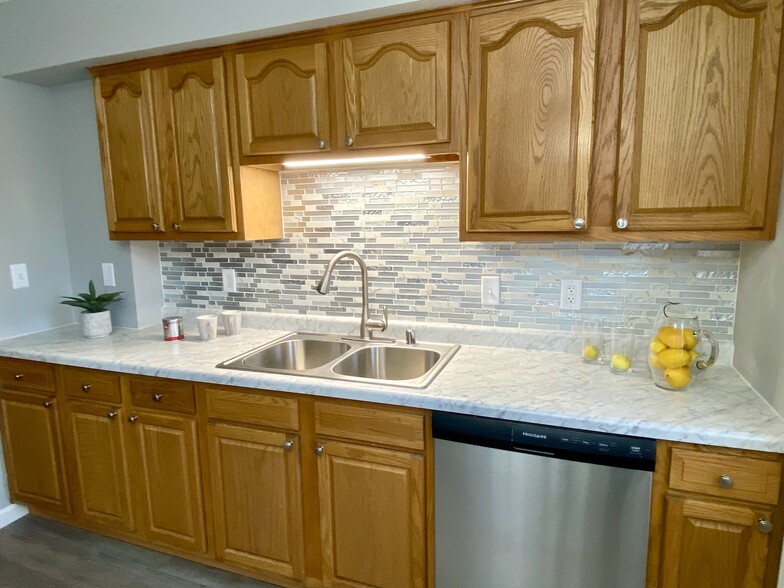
x: 395, y: 87
x: 697, y: 114
x: 127, y: 139
x: 530, y: 116
x: 283, y: 100
x: 194, y: 155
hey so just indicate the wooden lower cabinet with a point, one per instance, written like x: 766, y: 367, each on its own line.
x: 165, y: 461
x: 257, y: 498
x: 373, y: 522
x: 33, y: 452
x: 96, y: 451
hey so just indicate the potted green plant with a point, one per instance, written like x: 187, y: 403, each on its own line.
x: 96, y: 318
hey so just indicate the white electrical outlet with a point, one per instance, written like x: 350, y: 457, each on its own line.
x: 229, y: 280
x: 108, y: 274
x: 19, y: 277
x: 571, y: 294
x: 491, y: 290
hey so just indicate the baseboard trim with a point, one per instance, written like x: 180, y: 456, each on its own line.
x: 11, y: 513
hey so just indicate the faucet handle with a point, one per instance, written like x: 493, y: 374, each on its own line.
x: 410, y: 337
x: 379, y: 325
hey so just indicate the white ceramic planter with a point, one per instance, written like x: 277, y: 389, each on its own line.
x: 96, y: 324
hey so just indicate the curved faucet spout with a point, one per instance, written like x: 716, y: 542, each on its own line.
x: 367, y: 326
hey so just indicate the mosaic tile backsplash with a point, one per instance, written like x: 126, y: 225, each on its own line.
x: 404, y: 223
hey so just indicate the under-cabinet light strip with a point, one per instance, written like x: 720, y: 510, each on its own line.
x: 354, y: 160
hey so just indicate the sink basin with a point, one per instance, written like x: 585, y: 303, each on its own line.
x: 295, y: 355
x: 347, y: 358
x: 388, y: 363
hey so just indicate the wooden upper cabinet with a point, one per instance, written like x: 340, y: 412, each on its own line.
x: 128, y: 152
x: 395, y: 86
x: 194, y: 146
x: 698, y: 104
x: 283, y: 100
x: 530, y: 116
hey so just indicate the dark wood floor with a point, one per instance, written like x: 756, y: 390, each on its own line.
x: 39, y: 553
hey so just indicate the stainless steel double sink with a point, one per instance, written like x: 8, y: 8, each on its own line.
x: 345, y: 358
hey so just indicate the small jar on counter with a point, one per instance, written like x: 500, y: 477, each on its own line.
x: 172, y: 328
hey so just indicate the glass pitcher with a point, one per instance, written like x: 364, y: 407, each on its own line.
x: 676, y: 355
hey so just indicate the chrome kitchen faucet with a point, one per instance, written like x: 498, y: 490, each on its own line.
x: 367, y: 326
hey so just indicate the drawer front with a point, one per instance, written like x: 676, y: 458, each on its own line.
x: 26, y: 375
x: 745, y: 478
x: 375, y: 425
x: 252, y: 408
x: 162, y: 394
x: 86, y: 384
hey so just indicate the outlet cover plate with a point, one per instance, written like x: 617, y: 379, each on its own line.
x: 571, y: 294
x: 19, y: 278
x: 108, y: 274
x: 491, y: 290
x: 229, y: 280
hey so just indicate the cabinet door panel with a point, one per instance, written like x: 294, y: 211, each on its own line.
x: 256, y: 488
x: 396, y: 86
x: 713, y: 545
x: 699, y: 91
x: 372, y: 516
x: 531, y: 90
x: 172, y: 503
x: 197, y: 177
x: 128, y: 152
x: 283, y: 100
x: 33, y: 457
x: 97, y: 456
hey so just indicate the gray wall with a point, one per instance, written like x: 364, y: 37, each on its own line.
x: 759, y: 327
x: 31, y: 224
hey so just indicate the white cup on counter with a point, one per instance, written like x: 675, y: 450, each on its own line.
x: 232, y: 320
x: 208, y: 326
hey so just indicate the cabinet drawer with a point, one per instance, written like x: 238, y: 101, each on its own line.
x: 162, y: 394
x: 87, y: 384
x: 26, y: 375
x: 376, y: 425
x: 252, y: 408
x: 757, y: 480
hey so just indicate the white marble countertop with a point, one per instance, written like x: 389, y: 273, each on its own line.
x: 547, y: 387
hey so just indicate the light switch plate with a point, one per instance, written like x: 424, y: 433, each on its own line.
x: 229, y: 280
x: 491, y: 290
x: 19, y: 277
x: 108, y: 274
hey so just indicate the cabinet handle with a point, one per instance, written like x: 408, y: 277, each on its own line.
x: 764, y: 526
x: 18, y: 376
x: 111, y: 414
x: 132, y: 419
x: 86, y: 387
x: 622, y: 223
x: 322, y: 143
x: 725, y: 481
x: 155, y: 226
x: 288, y: 444
x: 319, y: 449
x: 579, y: 223
x: 349, y: 141
x: 157, y: 397
x: 176, y: 226
x: 48, y: 403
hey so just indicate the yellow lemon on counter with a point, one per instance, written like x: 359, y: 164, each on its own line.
x: 654, y: 361
x: 673, y: 337
x: 690, y: 339
x: 674, y: 358
x: 678, y: 377
x: 590, y: 352
x: 620, y: 362
x: 656, y: 345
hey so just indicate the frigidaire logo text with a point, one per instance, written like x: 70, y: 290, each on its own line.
x: 534, y: 435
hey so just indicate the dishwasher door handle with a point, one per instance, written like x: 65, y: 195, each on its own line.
x: 533, y: 451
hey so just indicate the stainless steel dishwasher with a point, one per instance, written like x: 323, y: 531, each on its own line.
x: 530, y: 506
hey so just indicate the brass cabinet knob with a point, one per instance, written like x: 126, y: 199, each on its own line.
x: 622, y: 223
x: 48, y: 403
x: 132, y: 419
x: 288, y: 444
x: 319, y: 449
x: 157, y: 397
x: 764, y: 526
x: 322, y: 143
x: 155, y: 226
x: 111, y: 415
x: 349, y: 141
x: 18, y: 376
x: 86, y: 387
x: 725, y: 481
x: 176, y: 226
x: 579, y: 223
